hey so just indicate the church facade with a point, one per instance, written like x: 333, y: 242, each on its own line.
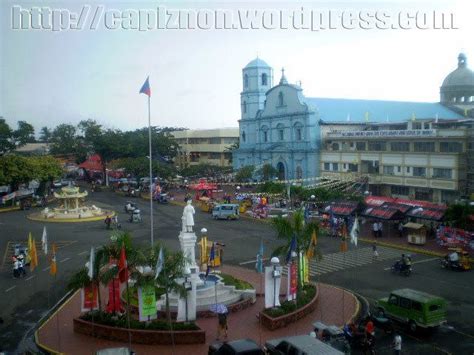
x: 281, y: 127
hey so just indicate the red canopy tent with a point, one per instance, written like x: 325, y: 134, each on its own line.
x: 93, y: 163
x: 203, y: 188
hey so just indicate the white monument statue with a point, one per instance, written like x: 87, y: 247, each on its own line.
x: 188, y: 217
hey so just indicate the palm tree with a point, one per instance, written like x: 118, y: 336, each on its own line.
x: 295, y: 226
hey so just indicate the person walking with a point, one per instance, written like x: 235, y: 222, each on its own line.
x: 375, y: 251
x: 375, y: 229
x: 380, y: 229
x: 397, y: 344
x: 222, y: 326
x: 16, y: 265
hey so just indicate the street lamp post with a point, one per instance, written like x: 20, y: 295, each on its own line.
x: 275, y: 275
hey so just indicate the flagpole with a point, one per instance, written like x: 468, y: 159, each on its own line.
x: 151, y: 172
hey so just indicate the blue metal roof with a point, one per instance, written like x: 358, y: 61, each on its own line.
x: 352, y: 110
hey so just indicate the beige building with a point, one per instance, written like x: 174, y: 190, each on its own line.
x: 417, y: 159
x: 207, y: 146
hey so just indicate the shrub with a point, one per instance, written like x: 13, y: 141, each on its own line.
x: 120, y: 321
x: 232, y: 281
x: 303, y: 297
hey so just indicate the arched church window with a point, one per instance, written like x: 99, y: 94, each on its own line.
x: 280, y: 99
x: 264, y: 79
x: 244, y: 107
x: 246, y: 81
x: 264, y: 134
x: 298, y: 131
x: 243, y: 136
x: 281, y: 132
x: 299, y: 173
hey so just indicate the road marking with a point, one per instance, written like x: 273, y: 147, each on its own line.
x: 46, y: 268
x: 65, y: 259
x: 417, y: 262
x: 251, y: 261
x: 83, y: 252
x: 29, y: 278
x: 9, y: 289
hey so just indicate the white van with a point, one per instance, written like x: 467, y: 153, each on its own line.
x: 226, y: 211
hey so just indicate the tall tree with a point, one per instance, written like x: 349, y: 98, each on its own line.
x: 45, y: 134
x: 25, y: 133
x: 15, y: 170
x: 6, y: 137
x: 64, y: 139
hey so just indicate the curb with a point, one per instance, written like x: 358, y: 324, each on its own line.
x: 353, y: 294
x: 69, y: 220
x: 9, y: 209
x: 403, y: 247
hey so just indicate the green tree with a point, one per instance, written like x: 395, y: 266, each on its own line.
x: 45, y: 134
x: 64, y: 140
x: 231, y: 148
x: 45, y: 169
x: 25, y: 133
x: 7, y: 142
x: 459, y: 215
x: 267, y: 172
x: 245, y: 173
x: 294, y: 226
x: 15, y: 170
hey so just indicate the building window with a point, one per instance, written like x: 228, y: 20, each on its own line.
x: 400, y: 146
x: 243, y: 136
x: 299, y: 172
x: 214, y: 155
x: 424, y: 147
x: 244, y: 106
x: 265, y: 136
x: 423, y: 194
x: 441, y: 173
x: 327, y: 167
x: 416, y: 125
x: 280, y: 99
x: 418, y: 171
x: 378, y: 146
x: 388, y: 170
x: 360, y: 146
x: 353, y: 168
x: 408, y: 169
x: 399, y: 169
x: 299, y: 135
x: 281, y: 134
x: 264, y: 79
x: 335, y: 166
x: 450, y: 147
x: 448, y: 196
x: 246, y: 81
x: 214, y: 140
x: 335, y: 146
x: 400, y: 190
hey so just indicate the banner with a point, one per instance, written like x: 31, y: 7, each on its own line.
x: 146, y: 303
x: 272, y: 286
x: 114, y: 304
x: 89, y: 298
x: 292, y: 282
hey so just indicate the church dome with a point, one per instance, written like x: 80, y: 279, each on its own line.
x: 458, y: 86
x: 462, y: 76
x: 257, y: 62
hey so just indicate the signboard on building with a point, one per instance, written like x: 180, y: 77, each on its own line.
x: 384, y: 133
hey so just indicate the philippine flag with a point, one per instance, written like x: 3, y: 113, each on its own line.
x: 146, y: 88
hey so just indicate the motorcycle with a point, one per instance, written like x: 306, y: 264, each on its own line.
x: 462, y: 264
x: 358, y: 340
x: 401, y: 268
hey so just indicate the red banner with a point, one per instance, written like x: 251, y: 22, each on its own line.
x: 89, y: 298
x: 294, y: 280
x: 114, y: 304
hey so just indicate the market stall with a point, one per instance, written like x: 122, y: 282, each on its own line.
x: 203, y: 189
x: 455, y: 238
x: 416, y: 233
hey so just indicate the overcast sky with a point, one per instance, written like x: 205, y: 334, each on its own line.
x: 51, y: 77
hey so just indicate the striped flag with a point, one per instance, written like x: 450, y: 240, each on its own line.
x: 146, y: 88
x: 312, y: 245
x: 53, y: 268
x: 33, y: 255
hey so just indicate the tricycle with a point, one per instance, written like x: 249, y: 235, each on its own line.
x: 458, y: 259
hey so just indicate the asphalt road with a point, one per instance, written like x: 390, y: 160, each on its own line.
x: 25, y: 301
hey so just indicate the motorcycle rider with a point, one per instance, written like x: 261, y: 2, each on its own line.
x: 453, y: 258
x: 405, y: 262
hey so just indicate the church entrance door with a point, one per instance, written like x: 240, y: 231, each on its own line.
x: 281, y: 171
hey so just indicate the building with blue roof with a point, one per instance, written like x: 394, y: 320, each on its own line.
x: 281, y: 127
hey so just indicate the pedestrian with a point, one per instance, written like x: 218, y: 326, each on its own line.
x: 400, y: 229
x: 397, y: 344
x: 222, y: 325
x: 380, y: 229
x: 375, y: 229
x: 21, y: 265
x: 16, y: 265
x: 375, y: 251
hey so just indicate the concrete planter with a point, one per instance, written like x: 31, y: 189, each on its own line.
x: 279, y: 322
x: 139, y: 336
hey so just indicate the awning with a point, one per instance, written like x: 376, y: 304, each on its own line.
x: 399, y: 206
x: 345, y: 208
x: 385, y: 213
x: 380, y: 200
x: 426, y: 213
x: 203, y: 185
x: 93, y: 163
x: 412, y: 225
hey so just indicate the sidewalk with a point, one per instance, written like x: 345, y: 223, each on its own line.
x: 335, y: 306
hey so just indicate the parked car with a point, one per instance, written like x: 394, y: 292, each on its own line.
x: 299, y: 344
x: 114, y: 351
x: 226, y: 211
x: 235, y: 347
x: 415, y: 308
x: 57, y: 183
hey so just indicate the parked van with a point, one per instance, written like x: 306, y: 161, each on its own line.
x: 415, y: 308
x: 300, y: 345
x: 226, y: 211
